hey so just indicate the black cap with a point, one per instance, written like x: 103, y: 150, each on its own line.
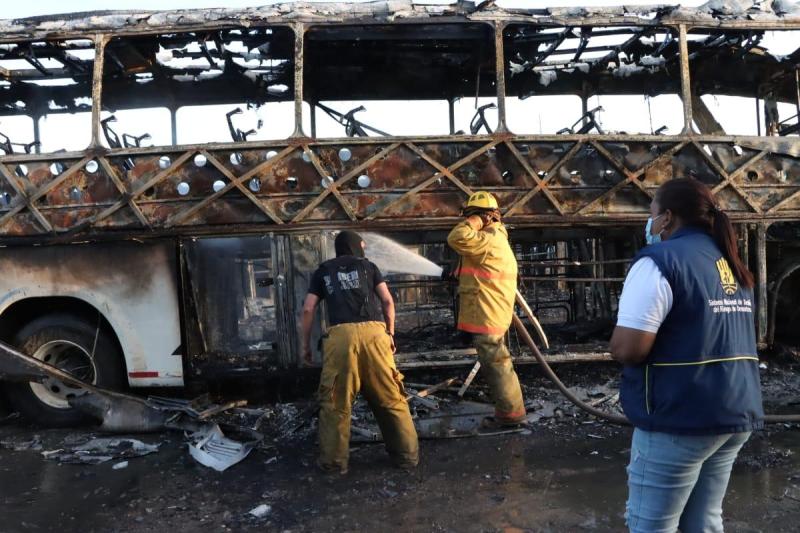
x: 348, y: 243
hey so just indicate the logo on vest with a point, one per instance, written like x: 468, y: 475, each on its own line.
x: 726, y: 277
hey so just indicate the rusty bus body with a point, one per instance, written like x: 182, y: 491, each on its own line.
x: 191, y: 260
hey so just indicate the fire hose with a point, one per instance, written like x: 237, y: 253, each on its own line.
x: 551, y: 375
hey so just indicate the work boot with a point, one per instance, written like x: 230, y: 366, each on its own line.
x: 406, y: 466
x: 494, y: 422
x: 331, y: 469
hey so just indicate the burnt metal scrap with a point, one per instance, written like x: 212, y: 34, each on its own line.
x: 391, y: 10
x: 95, y: 451
x: 118, y: 412
x: 199, y: 67
x: 204, y: 53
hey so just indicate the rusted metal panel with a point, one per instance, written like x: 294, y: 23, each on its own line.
x: 589, y: 181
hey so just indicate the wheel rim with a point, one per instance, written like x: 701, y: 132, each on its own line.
x: 71, y: 358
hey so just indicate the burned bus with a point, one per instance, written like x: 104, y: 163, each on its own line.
x: 171, y: 179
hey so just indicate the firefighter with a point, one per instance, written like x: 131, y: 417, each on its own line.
x: 487, y: 284
x: 358, y: 355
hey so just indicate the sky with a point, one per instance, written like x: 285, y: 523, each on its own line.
x: 540, y: 114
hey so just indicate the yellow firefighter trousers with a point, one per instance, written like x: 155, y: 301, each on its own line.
x: 358, y: 357
x: 499, y: 372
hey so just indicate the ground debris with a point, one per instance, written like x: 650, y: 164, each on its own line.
x: 544, y: 481
x: 780, y: 386
x: 9, y: 418
x: 18, y: 445
x: 94, y: 451
x: 545, y: 403
x: 260, y: 511
x: 213, y: 449
x: 793, y: 493
x: 442, y: 414
x: 763, y: 456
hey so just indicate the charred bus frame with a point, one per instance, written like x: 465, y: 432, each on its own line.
x: 571, y: 190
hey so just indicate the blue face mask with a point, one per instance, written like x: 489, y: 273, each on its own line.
x: 649, y: 237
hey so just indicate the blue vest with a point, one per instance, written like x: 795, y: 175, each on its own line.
x: 701, y: 376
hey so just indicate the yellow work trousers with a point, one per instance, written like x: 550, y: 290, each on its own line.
x: 358, y: 357
x: 498, y: 370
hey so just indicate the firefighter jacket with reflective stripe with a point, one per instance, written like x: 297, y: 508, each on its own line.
x: 701, y: 376
x: 487, y: 278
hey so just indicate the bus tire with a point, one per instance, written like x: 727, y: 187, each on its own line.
x: 71, y: 344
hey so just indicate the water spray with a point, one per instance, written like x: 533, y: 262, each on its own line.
x: 391, y: 256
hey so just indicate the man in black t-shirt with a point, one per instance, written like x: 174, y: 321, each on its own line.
x: 358, y: 354
x: 339, y: 281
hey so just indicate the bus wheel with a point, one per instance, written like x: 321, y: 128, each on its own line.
x: 75, y: 346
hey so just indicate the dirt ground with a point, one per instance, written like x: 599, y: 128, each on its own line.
x: 566, y: 474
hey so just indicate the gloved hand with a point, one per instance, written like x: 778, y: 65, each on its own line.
x: 491, y: 217
x: 476, y: 222
x: 480, y: 218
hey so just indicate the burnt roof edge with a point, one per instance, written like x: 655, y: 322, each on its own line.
x: 719, y: 13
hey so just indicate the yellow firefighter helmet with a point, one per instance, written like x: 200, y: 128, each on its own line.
x: 483, y: 200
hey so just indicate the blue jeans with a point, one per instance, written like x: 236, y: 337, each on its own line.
x: 679, y: 481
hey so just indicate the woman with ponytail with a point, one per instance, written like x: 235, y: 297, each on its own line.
x: 690, y: 384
